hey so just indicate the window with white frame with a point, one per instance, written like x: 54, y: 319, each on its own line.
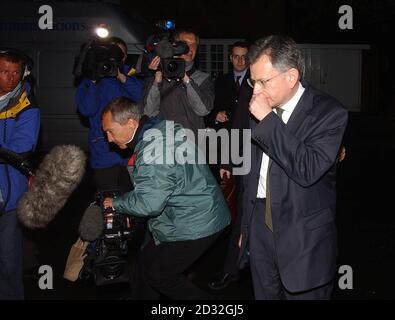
x: 214, y: 56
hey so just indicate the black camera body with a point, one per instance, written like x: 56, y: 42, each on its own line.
x: 111, y: 264
x: 161, y: 44
x: 108, y: 258
x: 98, y: 60
x: 171, y: 67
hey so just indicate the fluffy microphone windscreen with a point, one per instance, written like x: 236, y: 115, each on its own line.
x: 57, y: 176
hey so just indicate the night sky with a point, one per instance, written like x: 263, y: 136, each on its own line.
x: 305, y: 20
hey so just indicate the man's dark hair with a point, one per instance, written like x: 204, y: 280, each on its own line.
x: 116, y: 41
x: 240, y: 44
x: 282, y: 51
x: 13, y: 56
x: 122, y: 109
x: 178, y: 32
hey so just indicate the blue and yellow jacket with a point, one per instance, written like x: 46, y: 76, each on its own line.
x: 91, y: 99
x: 19, y: 129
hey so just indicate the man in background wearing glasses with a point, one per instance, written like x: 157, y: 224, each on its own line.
x: 232, y: 96
x: 289, y: 199
x: 228, y: 87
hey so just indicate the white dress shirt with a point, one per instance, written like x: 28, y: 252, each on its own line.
x: 288, y: 109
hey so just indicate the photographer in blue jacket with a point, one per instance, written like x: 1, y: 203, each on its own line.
x: 91, y: 98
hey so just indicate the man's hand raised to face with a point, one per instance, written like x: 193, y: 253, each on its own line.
x: 260, y: 105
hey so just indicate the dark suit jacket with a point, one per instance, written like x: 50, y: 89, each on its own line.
x: 226, y: 99
x: 302, y: 187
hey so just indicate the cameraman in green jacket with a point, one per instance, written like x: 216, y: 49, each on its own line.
x: 185, y: 205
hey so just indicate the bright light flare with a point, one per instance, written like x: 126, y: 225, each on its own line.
x: 102, y: 32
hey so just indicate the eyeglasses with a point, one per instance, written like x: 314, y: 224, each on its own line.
x: 236, y: 57
x: 261, y: 82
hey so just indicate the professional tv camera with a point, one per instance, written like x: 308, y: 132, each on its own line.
x: 108, y: 258
x: 171, y: 66
x: 161, y: 44
x: 99, y: 59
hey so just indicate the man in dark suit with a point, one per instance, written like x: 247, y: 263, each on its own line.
x: 289, y: 202
x: 232, y: 96
x: 227, y: 88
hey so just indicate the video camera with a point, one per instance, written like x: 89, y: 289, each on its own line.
x: 99, y: 59
x: 107, y: 257
x: 161, y: 44
x: 171, y: 66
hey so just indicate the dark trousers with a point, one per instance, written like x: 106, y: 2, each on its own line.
x: 231, y: 260
x: 11, y: 261
x: 264, y: 268
x: 111, y: 179
x: 231, y: 264
x: 160, y: 270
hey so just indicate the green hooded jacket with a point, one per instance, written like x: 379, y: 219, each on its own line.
x: 182, y: 200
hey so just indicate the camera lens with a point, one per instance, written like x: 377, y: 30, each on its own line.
x: 172, y: 66
x: 107, y: 69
